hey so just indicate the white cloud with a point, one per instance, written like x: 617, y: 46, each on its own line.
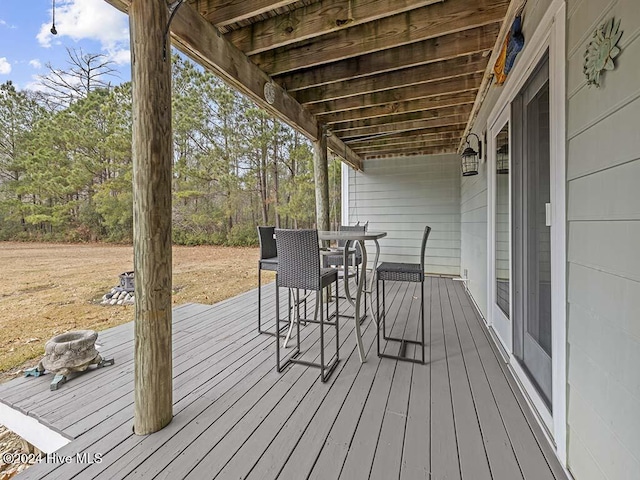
x: 90, y: 19
x: 120, y: 57
x: 5, y: 66
x: 3, y: 23
x: 35, y: 63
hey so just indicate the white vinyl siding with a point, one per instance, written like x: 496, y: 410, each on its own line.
x: 401, y: 196
x: 473, y: 207
x: 603, y: 173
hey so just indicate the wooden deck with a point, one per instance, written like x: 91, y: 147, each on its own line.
x: 457, y: 417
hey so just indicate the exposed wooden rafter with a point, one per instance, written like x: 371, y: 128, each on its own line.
x: 443, y: 87
x: 403, y: 117
x: 424, y: 23
x: 431, y: 72
x: 392, y: 141
x: 414, y: 105
x: 314, y: 20
x: 388, y: 137
x: 412, y: 152
x: 226, y: 12
x: 454, y: 45
x: 402, y: 126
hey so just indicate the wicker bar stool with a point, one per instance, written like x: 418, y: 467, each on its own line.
x: 299, y: 269
x: 335, y: 257
x: 401, y: 272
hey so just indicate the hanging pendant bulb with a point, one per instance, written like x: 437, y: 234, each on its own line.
x: 53, y: 21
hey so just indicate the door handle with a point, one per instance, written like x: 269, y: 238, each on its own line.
x: 547, y: 211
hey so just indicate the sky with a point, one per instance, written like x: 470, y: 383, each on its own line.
x: 27, y: 45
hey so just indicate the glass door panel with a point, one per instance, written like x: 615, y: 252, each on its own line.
x: 531, y: 231
x: 499, y: 176
x: 502, y: 222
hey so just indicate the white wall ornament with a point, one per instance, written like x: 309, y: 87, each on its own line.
x: 601, y: 51
x: 269, y: 92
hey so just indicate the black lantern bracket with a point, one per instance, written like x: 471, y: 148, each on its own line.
x: 479, y: 144
x: 470, y: 157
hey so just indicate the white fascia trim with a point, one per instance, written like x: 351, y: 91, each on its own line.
x: 34, y: 432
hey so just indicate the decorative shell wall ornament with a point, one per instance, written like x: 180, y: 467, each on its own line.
x: 269, y: 92
x: 601, y: 51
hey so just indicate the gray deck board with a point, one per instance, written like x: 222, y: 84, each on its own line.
x: 416, y: 455
x: 471, y: 449
x: 500, y: 455
x: 445, y: 461
x: 362, y: 449
x: 458, y: 416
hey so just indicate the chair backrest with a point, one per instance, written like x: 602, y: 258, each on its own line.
x: 425, y: 237
x: 298, y: 259
x: 351, y: 228
x: 268, y: 248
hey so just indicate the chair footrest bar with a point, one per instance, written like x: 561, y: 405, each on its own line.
x: 414, y: 342
x: 329, y: 367
x: 289, y: 361
x: 281, y: 333
x: 404, y: 359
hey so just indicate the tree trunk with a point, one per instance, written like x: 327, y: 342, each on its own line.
x: 263, y: 181
x: 276, y: 183
x: 152, y: 155
x: 321, y: 174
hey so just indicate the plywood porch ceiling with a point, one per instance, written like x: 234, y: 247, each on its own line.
x: 387, y: 77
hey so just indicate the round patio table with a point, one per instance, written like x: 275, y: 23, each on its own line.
x: 361, y: 238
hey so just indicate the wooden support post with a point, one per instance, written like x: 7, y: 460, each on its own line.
x: 321, y: 174
x: 152, y: 160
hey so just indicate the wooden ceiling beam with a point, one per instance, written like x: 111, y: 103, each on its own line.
x: 458, y: 44
x: 317, y: 19
x: 393, y: 136
x: 430, y: 72
x: 226, y: 12
x: 449, y: 146
x: 411, y: 152
x: 403, y: 117
x: 402, y: 94
x: 400, y: 141
x: 401, y: 127
x: 429, y: 103
x: 404, y: 29
x: 201, y: 41
x: 407, y: 146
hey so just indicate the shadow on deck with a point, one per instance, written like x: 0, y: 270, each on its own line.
x: 458, y: 416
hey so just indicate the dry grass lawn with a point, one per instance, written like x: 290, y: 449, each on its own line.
x: 47, y: 289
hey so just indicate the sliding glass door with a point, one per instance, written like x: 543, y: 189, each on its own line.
x: 531, y: 231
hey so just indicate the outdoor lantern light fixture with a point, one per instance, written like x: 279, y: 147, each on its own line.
x: 470, y: 157
x: 53, y: 18
x: 502, y: 159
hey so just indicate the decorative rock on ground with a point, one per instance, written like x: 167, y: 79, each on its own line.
x: 118, y: 296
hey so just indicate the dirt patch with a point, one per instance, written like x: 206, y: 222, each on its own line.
x: 47, y: 289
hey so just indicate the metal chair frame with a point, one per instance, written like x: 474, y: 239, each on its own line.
x: 404, y: 272
x: 299, y: 269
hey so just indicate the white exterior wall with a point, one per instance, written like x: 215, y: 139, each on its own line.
x: 603, y: 192
x: 401, y: 196
x: 603, y: 244
x: 473, y: 207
